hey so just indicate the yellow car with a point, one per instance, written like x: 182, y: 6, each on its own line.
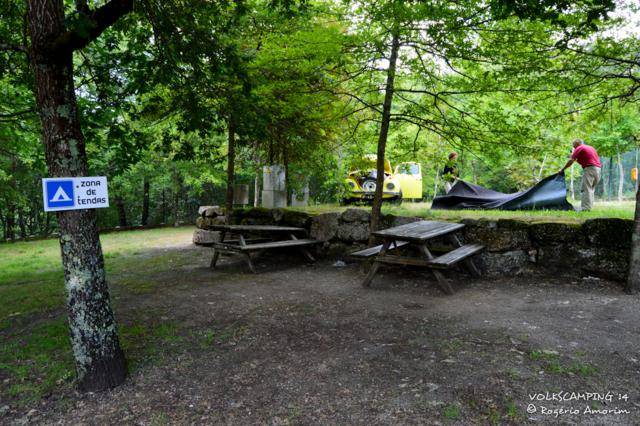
x: 405, y: 183
x: 409, y: 175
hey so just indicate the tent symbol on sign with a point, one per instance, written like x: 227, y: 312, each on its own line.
x: 60, y: 196
x: 60, y: 193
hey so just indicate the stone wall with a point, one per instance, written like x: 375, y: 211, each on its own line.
x: 598, y: 247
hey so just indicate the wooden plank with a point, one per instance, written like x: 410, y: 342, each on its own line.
x: 277, y: 244
x: 216, y: 253
x: 234, y: 242
x: 225, y: 246
x: 374, y: 268
x: 468, y: 262
x: 306, y: 252
x: 402, y: 260
x: 372, y: 251
x: 442, y: 281
x: 455, y: 256
x: 256, y: 228
x: 419, y: 231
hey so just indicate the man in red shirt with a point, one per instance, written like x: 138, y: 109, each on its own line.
x: 588, y: 158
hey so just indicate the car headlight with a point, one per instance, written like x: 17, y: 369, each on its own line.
x: 390, y: 186
x: 352, y: 184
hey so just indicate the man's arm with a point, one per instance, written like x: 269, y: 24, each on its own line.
x: 566, y: 166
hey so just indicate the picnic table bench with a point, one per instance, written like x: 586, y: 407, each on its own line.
x: 418, y: 235
x: 244, y: 245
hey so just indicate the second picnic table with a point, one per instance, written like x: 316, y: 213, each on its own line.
x: 269, y: 237
x: 418, y: 235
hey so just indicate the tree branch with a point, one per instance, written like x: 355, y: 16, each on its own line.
x: 82, y: 7
x: 4, y: 47
x: 17, y: 113
x: 98, y: 21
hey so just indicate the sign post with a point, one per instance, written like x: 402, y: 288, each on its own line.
x: 74, y: 193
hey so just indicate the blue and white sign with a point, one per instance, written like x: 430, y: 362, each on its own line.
x: 75, y: 193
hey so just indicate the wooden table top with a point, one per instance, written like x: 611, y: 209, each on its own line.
x: 419, y: 231
x: 255, y: 228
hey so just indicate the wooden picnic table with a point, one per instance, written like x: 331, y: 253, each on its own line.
x: 418, y: 235
x: 268, y: 237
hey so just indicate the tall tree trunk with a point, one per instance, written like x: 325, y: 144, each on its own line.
x: 231, y: 163
x: 144, y: 220
x: 435, y: 183
x: 572, y: 189
x: 287, y: 192
x: 621, y: 178
x: 544, y: 160
x: 100, y: 362
x: 10, y: 233
x: 21, y: 224
x: 474, y: 171
x: 256, y: 188
x: 47, y: 225
x: 384, y: 132
x: 122, y: 212
x: 4, y: 226
x: 633, y: 281
x: 610, y: 183
x: 164, y: 206
x: 176, y: 205
x: 604, y: 179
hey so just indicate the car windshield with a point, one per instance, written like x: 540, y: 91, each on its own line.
x: 409, y: 169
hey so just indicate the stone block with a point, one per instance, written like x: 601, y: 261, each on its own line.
x: 324, y: 227
x: 210, y: 211
x: 296, y: 218
x: 608, y: 263
x: 389, y: 220
x: 271, y: 199
x: 202, y: 236
x: 353, y: 231
x: 206, y: 222
x: 506, y: 263
x: 543, y: 234
x: 565, y: 257
x: 613, y: 233
x: 355, y: 215
x: 503, y: 235
x: 257, y: 216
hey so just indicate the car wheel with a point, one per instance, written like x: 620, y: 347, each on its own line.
x: 369, y: 185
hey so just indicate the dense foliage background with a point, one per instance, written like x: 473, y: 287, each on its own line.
x: 302, y: 83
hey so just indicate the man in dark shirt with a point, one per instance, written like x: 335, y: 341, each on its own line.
x: 450, y: 172
x: 587, y: 157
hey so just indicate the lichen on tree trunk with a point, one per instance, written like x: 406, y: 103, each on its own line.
x: 100, y: 362
x: 633, y: 281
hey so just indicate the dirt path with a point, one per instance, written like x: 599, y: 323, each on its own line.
x: 307, y: 345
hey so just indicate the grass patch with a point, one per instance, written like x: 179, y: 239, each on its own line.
x: 451, y: 412
x: 220, y: 335
x: 552, y: 364
x: 35, y: 354
x: 37, y: 361
x: 32, y: 280
x: 512, y: 410
x: 604, y: 209
x: 144, y: 343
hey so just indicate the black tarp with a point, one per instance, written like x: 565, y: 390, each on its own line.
x: 548, y: 194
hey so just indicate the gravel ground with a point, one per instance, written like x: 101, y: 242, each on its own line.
x: 306, y: 344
